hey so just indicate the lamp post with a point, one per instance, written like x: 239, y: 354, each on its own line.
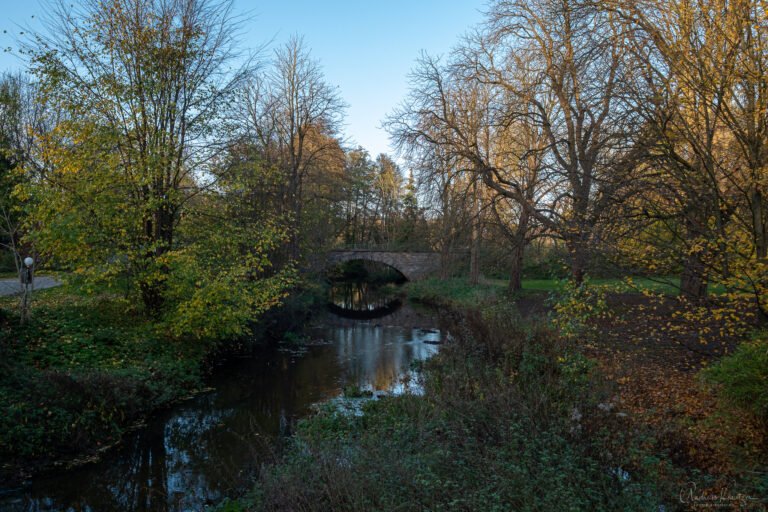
x: 28, y: 281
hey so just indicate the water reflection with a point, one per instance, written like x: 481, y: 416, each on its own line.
x: 209, y: 447
x: 361, y: 299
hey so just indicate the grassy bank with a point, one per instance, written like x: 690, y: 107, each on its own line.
x: 517, y: 416
x: 459, y: 293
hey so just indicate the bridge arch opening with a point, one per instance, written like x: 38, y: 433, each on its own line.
x: 365, y: 269
x: 363, y: 289
x: 413, y: 265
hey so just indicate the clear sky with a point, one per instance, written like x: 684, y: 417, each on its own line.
x: 367, y: 47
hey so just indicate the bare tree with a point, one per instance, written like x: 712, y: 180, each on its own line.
x: 445, y: 190
x: 523, y: 152
x: 578, y: 54
x: 556, y: 71
x: 286, y: 109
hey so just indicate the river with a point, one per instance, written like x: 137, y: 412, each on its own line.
x: 207, y: 448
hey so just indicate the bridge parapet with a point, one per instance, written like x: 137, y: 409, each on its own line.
x: 413, y: 265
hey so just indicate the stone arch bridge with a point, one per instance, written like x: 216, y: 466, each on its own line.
x: 414, y: 265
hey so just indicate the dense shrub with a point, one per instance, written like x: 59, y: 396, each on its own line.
x: 60, y: 413
x: 575, y: 306
x: 743, y: 377
x: 7, y: 264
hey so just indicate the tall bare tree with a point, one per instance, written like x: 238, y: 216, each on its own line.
x: 578, y: 55
x: 559, y: 68
x: 284, y: 110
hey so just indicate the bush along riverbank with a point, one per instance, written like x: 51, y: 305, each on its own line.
x: 510, y: 420
x: 517, y: 414
x: 86, y: 368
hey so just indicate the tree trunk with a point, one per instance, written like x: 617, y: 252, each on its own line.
x: 693, y: 281
x: 474, y: 248
x: 445, y: 261
x: 516, y: 267
x: 474, y: 258
x: 159, y: 230
x: 759, y: 225
x: 295, y: 250
x: 519, y: 242
x: 579, y: 253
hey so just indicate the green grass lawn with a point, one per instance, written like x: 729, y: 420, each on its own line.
x: 661, y: 284
x: 454, y: 290
x: 458, y: 291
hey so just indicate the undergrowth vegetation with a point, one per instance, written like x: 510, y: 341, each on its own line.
x: 89, y: 364
x: 743, y: 377
x: 523, y: 414
x: 512, y: 418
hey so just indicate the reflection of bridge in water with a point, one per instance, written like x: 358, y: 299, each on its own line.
x: 362, y: 300
x: 414, y: 265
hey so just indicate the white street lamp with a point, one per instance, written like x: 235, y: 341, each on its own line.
x: 27, y: 279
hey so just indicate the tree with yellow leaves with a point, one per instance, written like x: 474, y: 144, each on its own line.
x: 131, y: 195
x: 141, y: 84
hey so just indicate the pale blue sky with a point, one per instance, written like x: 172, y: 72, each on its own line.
x: 366, y: 47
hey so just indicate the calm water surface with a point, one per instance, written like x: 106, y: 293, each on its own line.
x: 362, y: 299
x: 207, y: 448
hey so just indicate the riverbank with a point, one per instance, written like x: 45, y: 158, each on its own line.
x: 82, y: 371
x: 87, y: 368
x: 692, y: 375
x: 194, y: 453
x: 517, y: 415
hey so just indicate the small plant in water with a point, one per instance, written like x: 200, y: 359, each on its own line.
x: 354, y: 391
x: 294, y: 338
